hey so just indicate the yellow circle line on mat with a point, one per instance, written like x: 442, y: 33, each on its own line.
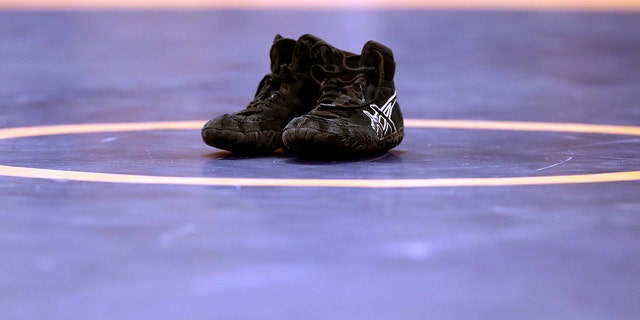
x: 24, y: 172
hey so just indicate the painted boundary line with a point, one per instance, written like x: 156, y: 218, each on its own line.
x: 24, y: 172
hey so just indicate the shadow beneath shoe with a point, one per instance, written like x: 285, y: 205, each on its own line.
x: 291, y: 157
x: 227, y: 155
x: 387, y: 157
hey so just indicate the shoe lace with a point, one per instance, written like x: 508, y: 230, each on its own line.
x: 270, y: 90
x: 338, y: 96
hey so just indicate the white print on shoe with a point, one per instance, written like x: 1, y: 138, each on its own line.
x: 381, y: 121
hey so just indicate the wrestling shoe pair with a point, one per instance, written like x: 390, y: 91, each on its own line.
x: 317, y: 100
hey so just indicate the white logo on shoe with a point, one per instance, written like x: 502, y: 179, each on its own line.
x: 381, y: 121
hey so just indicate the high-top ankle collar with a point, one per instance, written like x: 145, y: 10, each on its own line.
x: 281, y: 52
x: 379, y: 56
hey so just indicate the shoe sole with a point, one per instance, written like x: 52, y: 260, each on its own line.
x: 243, y: 142
x: 320, y: 143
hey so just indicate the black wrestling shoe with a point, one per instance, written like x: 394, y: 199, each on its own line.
x: 287, y: 92
x: 357, y: 113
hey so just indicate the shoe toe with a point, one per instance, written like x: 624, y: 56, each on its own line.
x: 316, y: 135
x: 241, y: 135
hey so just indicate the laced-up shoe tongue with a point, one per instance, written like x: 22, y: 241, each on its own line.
x: 346, y: 89
x: 301, y: 55
x: 281, y: 52
x: 328, y: 57
x: 341, y: 86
